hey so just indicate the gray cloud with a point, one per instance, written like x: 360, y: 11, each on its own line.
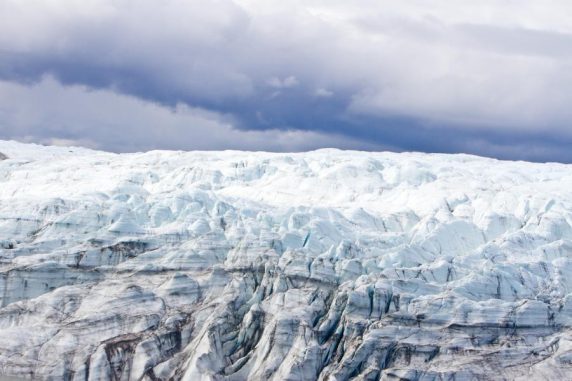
x: 51, y: 113
x: 482, y: 77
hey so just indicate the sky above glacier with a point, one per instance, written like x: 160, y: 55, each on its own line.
x: 485, y: 77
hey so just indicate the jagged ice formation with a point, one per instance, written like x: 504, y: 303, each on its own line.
x: 325, y: 265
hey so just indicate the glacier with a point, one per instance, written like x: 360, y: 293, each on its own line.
x: 324, y: 265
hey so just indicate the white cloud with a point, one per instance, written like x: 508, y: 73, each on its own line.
x: 324, y: 93
x: 285, y: 83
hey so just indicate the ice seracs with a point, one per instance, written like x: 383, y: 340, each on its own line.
x: 326, y: 265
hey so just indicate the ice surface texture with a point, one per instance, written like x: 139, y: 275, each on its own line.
x: 325, y: 265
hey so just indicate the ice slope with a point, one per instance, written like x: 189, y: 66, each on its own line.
x: 328, y: 265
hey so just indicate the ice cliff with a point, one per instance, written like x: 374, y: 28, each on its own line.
x: 327, y: 265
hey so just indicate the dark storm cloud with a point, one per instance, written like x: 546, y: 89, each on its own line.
x: 488, y: 78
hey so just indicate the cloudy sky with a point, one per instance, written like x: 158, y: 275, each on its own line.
x: 486, y: 77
